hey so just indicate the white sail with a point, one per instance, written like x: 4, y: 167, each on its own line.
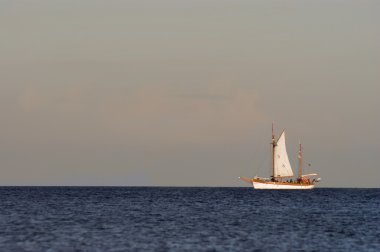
x: 282, y: 167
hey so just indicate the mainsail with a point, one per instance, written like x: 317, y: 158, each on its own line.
x: 282, y: 167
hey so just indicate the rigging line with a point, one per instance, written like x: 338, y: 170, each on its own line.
x: 305, y: 163
x: 256, y: 168
x: 262, y: 162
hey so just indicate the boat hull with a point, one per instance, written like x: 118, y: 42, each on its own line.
x: 279, y: 185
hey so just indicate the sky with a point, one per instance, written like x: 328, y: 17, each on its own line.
x: 184, y: 92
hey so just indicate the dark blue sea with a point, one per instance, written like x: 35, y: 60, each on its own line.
x: 188, y: 219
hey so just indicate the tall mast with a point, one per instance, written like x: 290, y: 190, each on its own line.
x: 273, y: 150
x: 300, y: 162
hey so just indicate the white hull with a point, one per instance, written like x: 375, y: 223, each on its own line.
x: 258, y: 185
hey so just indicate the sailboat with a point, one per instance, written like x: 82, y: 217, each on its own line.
x: 282, y: 173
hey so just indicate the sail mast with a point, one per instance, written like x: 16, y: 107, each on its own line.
x: 300, y: 162
x: 273, y: 154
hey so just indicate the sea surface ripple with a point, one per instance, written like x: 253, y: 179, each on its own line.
x: 188, y: 219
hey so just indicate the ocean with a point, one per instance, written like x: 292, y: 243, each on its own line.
x: 188, y: 219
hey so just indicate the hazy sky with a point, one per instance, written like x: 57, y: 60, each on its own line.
x: 183, y: 92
